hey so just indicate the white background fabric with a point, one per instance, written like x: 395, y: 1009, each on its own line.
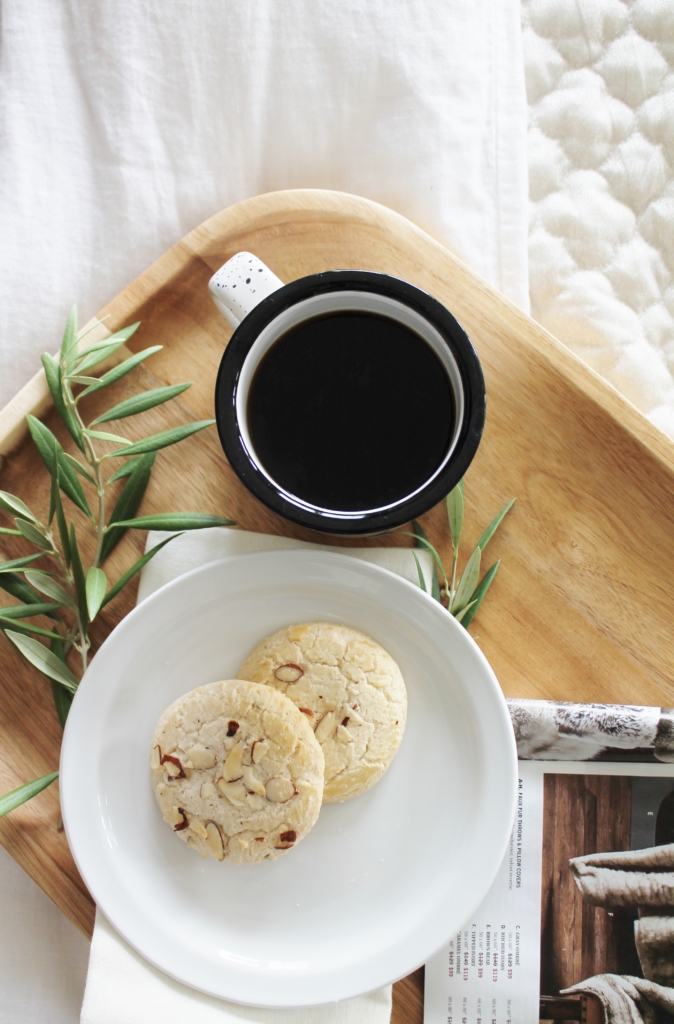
x: 123, y: 125
x: 600, y: 84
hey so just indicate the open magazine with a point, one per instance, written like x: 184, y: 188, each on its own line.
x: 579, y: 923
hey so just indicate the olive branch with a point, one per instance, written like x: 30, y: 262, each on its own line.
x: 461, y: 597
x: 61, y: 588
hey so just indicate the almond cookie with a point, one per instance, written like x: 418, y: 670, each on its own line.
x: 237, y: 771
x: 347, y: 688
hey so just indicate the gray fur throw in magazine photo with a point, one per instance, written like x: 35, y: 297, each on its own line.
x: 579, y: 923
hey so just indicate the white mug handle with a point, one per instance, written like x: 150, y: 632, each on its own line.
x: 240, y: 284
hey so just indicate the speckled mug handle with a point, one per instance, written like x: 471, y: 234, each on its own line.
x: 240, y: 284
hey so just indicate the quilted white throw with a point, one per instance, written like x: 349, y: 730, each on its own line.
x: 600, y: 85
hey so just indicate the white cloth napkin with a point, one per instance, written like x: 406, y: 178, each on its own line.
x: 123, y: 125
x: 122, y: 988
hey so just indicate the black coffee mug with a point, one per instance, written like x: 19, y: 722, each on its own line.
x: 348, y: 402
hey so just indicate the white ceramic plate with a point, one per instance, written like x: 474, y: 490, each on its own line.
x: 382, y: 881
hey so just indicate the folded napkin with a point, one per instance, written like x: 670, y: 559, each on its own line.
x: 122, y: 988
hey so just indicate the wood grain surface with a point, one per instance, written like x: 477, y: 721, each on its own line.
x: 581, y: 607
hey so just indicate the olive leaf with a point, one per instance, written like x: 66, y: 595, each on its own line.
x: 494, y: 525
x: 425, y: 543
x: 136, y: 567
x: 18, y: 563
x: 78, y: 576
x: 422, y: 541
x: 33, y: 534
x: 478, y: 594
x: 43, y: 659
x: 52, y: 372
x: 460, y: 616
x: 79, y: 468
x: 62, y: 698
x: 141, y: 403
x: 26, y: 611
x: 96, y: 585
x: 19, y: 796
x: 128, y: 502
x: 176, y: 521
x: 422, y: 581
x: 102, y: 350
x: 70, y: 333
x: 162, y: 440
x: 126, y: 469
x: 12, y: 583
x: 46, y: 585
x: 7, y: 531
x: 468, y: 581
x: 454, y: 503
x: 119, y: 371
x: 48, y: 446
x: 26, y: 628
x: 103, y: 435
x: 11, y: 503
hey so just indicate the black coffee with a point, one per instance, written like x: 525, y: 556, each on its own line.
x: 350, y: 411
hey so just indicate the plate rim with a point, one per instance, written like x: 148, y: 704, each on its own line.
x: 291, y: 556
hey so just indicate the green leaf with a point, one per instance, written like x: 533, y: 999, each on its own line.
x: 78, y: 576
x: 26, y: 611
x: 31, y: 533
x: 121, y: 370
x: 479, y: 594
x: 126, y: 469
x: 102, y: 350
x: 468, y: 581
x: 460, y: 616
x: 46, y: 585
x: 102, y: 435
x: 70, y: 333
x: 25, y: 628
x: 128, y: 502
x: 424, y: 543
x: 63, y: 532
x: 454, y: 502
x: 176, y: 521
x: 13, y: 504
x: 79, y: 468
x: 43, y: 659
x: 422, y: 581
x: 96, y: 585
x: 136, y: 567
x: 12, y: 583
x: 54, y: 489
x: 19, y: 796
x: 62, y: 698
x: 17, y: 563
x: 52, y: 372
x: 76, y: 379
x: 163, y: 440
x: 141, y: 403
x: 46, y: 444
x: 6, y: 531
x: 494, y: 525
x: 421, y: 537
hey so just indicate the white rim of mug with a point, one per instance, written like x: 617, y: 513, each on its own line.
x: 358, y: 302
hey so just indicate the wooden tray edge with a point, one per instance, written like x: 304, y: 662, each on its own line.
x: 34, y: 397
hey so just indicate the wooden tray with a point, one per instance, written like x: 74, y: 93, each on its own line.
x: 581, y: 608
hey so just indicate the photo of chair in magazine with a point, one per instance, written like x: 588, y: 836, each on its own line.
x: 579, y: 923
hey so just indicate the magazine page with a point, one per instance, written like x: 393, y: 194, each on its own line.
x: 584, y: 898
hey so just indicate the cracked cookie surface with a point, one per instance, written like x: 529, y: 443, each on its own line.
x: 350, y: 691
x: 237, y: 771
